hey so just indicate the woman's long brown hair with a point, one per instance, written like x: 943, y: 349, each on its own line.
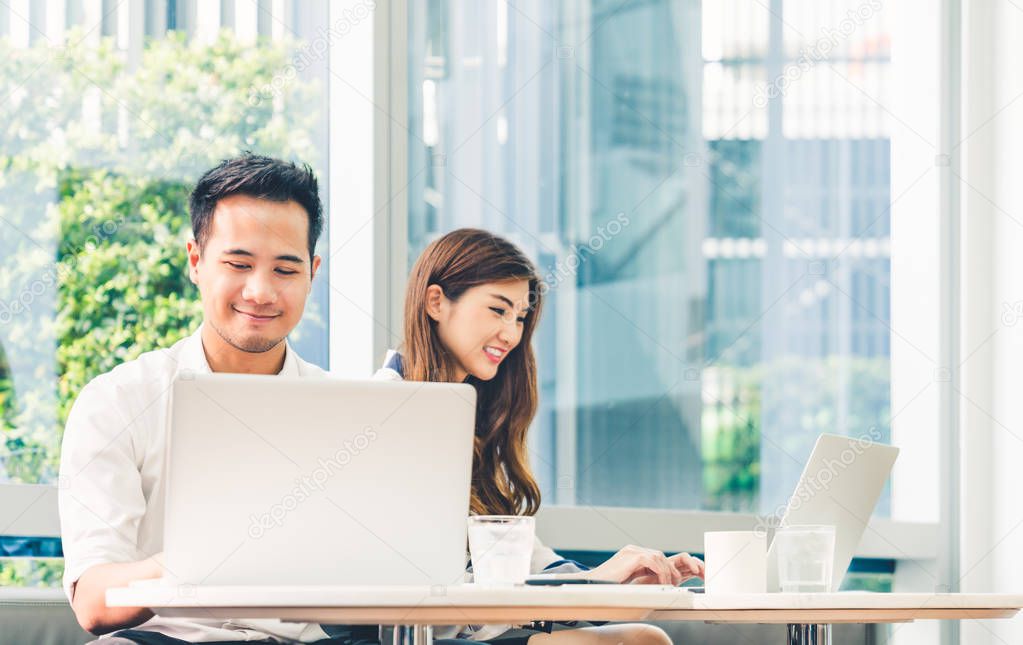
x: 502, y: 482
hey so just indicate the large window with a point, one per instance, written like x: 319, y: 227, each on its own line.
x: 706, y: 187
x: 110, y: 112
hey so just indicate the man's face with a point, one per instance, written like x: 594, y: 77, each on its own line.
x: 254, y: 273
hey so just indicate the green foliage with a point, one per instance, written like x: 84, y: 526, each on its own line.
x: 97, y: 158
x: 872, y: 582
x: 837, y: 394
x: 40, y: 572
x: 128, y: 291
x: 731, y: 441
x: 815, y: 392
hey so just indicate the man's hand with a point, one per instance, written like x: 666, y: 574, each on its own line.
x: 634, y: 564
x: 89, y: 594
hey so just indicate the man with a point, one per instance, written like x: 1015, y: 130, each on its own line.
x: 255, y: 222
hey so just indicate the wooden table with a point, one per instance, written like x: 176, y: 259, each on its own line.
x: 809, y: 616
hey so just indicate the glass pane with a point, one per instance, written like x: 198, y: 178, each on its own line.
x: 717, y: 242
x: 104, y: 136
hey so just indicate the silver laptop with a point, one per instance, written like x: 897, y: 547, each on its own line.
x: 289, y: 481
x: 840, y: 485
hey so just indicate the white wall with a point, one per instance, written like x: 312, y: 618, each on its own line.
x: 991, y: 406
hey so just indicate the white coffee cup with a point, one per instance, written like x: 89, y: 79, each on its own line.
x: 736, y: 561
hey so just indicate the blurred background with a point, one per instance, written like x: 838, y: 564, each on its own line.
x: 749, y: 214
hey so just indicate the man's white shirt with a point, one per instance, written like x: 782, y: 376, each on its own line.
x: 111, y: 484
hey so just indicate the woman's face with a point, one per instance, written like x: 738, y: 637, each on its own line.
x: 482, y: 326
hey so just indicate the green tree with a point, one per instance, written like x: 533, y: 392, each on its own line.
x: 97, y: 158
x: 815, y: 392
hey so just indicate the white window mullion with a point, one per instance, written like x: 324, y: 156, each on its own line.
x: 246, y: 20
x: 56, y: 22
x: 280, y: 21
x: 364, y: 173
x: 207, y: 25
x: 92, y: 18
x: 20, y: 27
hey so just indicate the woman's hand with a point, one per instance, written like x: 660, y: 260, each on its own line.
x: 634, y: 564
x: 686, y: 565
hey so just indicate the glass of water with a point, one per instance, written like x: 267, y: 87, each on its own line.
x: 501, y: 548
x: 806, y: 558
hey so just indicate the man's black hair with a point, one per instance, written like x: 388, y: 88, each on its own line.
x: 259, y: 177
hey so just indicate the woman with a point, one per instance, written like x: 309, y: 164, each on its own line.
x: 471, y: 307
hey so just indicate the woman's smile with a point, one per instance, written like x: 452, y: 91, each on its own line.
x: 494, y: 354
